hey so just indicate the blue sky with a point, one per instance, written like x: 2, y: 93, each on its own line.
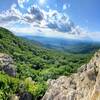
x: 86, y: 13
x: 54, y: 18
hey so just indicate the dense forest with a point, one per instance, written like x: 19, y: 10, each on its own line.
x: 34, y: 66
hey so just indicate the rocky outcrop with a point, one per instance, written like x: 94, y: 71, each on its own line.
x: 7, y: 65
x: 26, y: 96
x: 23, y: 96
x: 83, y: 85
x: 14, y: 97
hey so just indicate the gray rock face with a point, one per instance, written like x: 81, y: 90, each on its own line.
x: 7, y: 65
x: 83, y: 85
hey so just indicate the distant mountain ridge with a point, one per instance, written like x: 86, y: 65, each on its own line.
x: 66, y: 45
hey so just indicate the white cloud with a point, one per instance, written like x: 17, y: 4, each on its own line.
x: 39, y: 22
x: 48, y: 7
x: 21, y: 2
x: 11, y: 15
x: 23, y: 31
x: 42, y: 2
x: 64, y: 7
x: 14, y: 11
x: 95, y: 36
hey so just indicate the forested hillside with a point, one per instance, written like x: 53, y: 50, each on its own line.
x: 66, y: 45
x: 34, y: 65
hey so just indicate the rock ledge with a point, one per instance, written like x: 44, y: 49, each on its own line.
x: 83, y: 85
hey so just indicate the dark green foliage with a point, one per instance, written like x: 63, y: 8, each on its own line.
x: 34, y: 63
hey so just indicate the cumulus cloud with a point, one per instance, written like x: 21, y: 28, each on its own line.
x: 61, y: 23
x: 21, y: 2
x: 64, y: 7
x: 10, y: 15
x: 34, y: 10
x: 38, y: 20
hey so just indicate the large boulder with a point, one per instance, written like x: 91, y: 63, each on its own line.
x: 26, y: 96
x: 83, y: 85
x: 14, y: 97
x: 7, y: 65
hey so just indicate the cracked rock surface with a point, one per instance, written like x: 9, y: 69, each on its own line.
x: 83, y: 85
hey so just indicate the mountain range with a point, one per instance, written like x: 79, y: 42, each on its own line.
x: 66, y: 45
